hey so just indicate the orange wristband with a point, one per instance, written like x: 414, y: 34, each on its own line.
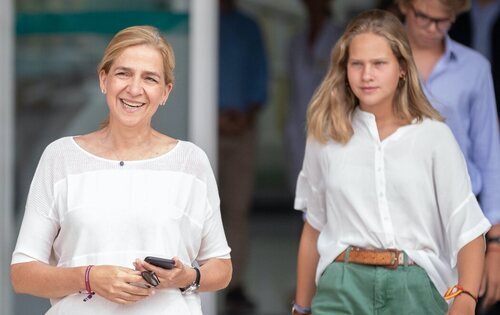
x: 455, y: 291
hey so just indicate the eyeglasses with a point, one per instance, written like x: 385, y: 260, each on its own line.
x: 423, y: 20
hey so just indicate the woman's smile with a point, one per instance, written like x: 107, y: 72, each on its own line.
x: 132, y: 103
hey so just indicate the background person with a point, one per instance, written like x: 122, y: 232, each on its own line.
x: 100, y: 201
x: 242, y: 94
x: 457, y: 81
x: 309, y: 55
x: 479, y: 29
x: 382, y: 171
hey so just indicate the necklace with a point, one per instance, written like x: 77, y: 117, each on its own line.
x: 121, y: 162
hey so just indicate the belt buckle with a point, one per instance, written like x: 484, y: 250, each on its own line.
x: 394, y: 259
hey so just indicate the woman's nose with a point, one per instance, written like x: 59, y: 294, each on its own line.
x: 135, y: 86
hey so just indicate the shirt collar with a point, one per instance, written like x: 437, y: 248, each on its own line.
x: 365, y: 117
x: 369, y: 121
x: 450, y: 49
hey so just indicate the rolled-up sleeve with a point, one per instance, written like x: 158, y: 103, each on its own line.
x: 460, y: 212
x: 310, y: 191
x: 40, y: 223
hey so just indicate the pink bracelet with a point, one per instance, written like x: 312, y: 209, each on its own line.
x: 87, y: 284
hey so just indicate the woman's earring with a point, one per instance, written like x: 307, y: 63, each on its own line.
x: 103, y: 91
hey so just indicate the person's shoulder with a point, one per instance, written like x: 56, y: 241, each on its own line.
x: 195, y: 160
x: 59, y: 145
x: 436, y: 131
x: 57, y: 151
x: 316, y: 145
x: 193, y: 152
x: 469, y: 56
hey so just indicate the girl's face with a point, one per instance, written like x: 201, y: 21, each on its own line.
x: 373, y: 72
x: 135, y: 86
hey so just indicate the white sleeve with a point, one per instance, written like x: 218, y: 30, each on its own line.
x: 460, y: 212
x: 213, y: 242
x: 40, y: 225
x: 310, y: 191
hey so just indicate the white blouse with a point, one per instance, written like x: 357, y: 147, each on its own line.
x: 410, y: 191
x: 83, y: 209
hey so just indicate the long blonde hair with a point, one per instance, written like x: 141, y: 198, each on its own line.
x: 333, y: 104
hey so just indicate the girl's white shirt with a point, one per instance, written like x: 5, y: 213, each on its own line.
x: 410, y: 192
x: 83, y: 209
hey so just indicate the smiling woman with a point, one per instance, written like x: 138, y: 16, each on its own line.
x: 101, y: 202
x: 134, y: 88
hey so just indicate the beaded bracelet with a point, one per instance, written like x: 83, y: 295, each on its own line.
x: 87, y: 284
x: 457, y: 290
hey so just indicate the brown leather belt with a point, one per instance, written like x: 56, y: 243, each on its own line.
x: 388, y: 258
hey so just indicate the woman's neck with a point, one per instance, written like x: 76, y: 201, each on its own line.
x: 123, y: 139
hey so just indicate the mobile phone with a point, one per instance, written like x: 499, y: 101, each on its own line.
x: 160, y: 262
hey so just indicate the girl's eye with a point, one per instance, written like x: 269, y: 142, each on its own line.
x: 379, y: 63
x: 121, y: 74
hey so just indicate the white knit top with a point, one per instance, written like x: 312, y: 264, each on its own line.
x: 83, y: 209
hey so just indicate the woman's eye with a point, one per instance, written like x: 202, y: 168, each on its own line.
x: 152, y: 79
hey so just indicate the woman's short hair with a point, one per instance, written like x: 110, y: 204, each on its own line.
x: 455, y: 7
x: 331, y: 108
x: 135, y: 36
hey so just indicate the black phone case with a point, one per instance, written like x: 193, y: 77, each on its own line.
x: 160, y: 262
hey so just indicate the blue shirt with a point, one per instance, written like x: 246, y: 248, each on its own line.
x: 460, y: 87
x: 483, y: 18
x: 242, y: 63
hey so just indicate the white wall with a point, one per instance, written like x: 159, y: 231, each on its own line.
x: 6, y: 151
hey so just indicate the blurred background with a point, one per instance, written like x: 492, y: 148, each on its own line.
x: 49, y: 50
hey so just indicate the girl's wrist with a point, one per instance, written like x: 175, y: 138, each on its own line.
x: 298, y: 309
x: 457, y: 290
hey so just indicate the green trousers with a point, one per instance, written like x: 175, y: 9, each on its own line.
x: 347, y: 288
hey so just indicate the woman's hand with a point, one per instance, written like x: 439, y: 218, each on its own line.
x: 117, y: 284
x: 180, y: 276
x: 462, y: 305
x: 490, y: 287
